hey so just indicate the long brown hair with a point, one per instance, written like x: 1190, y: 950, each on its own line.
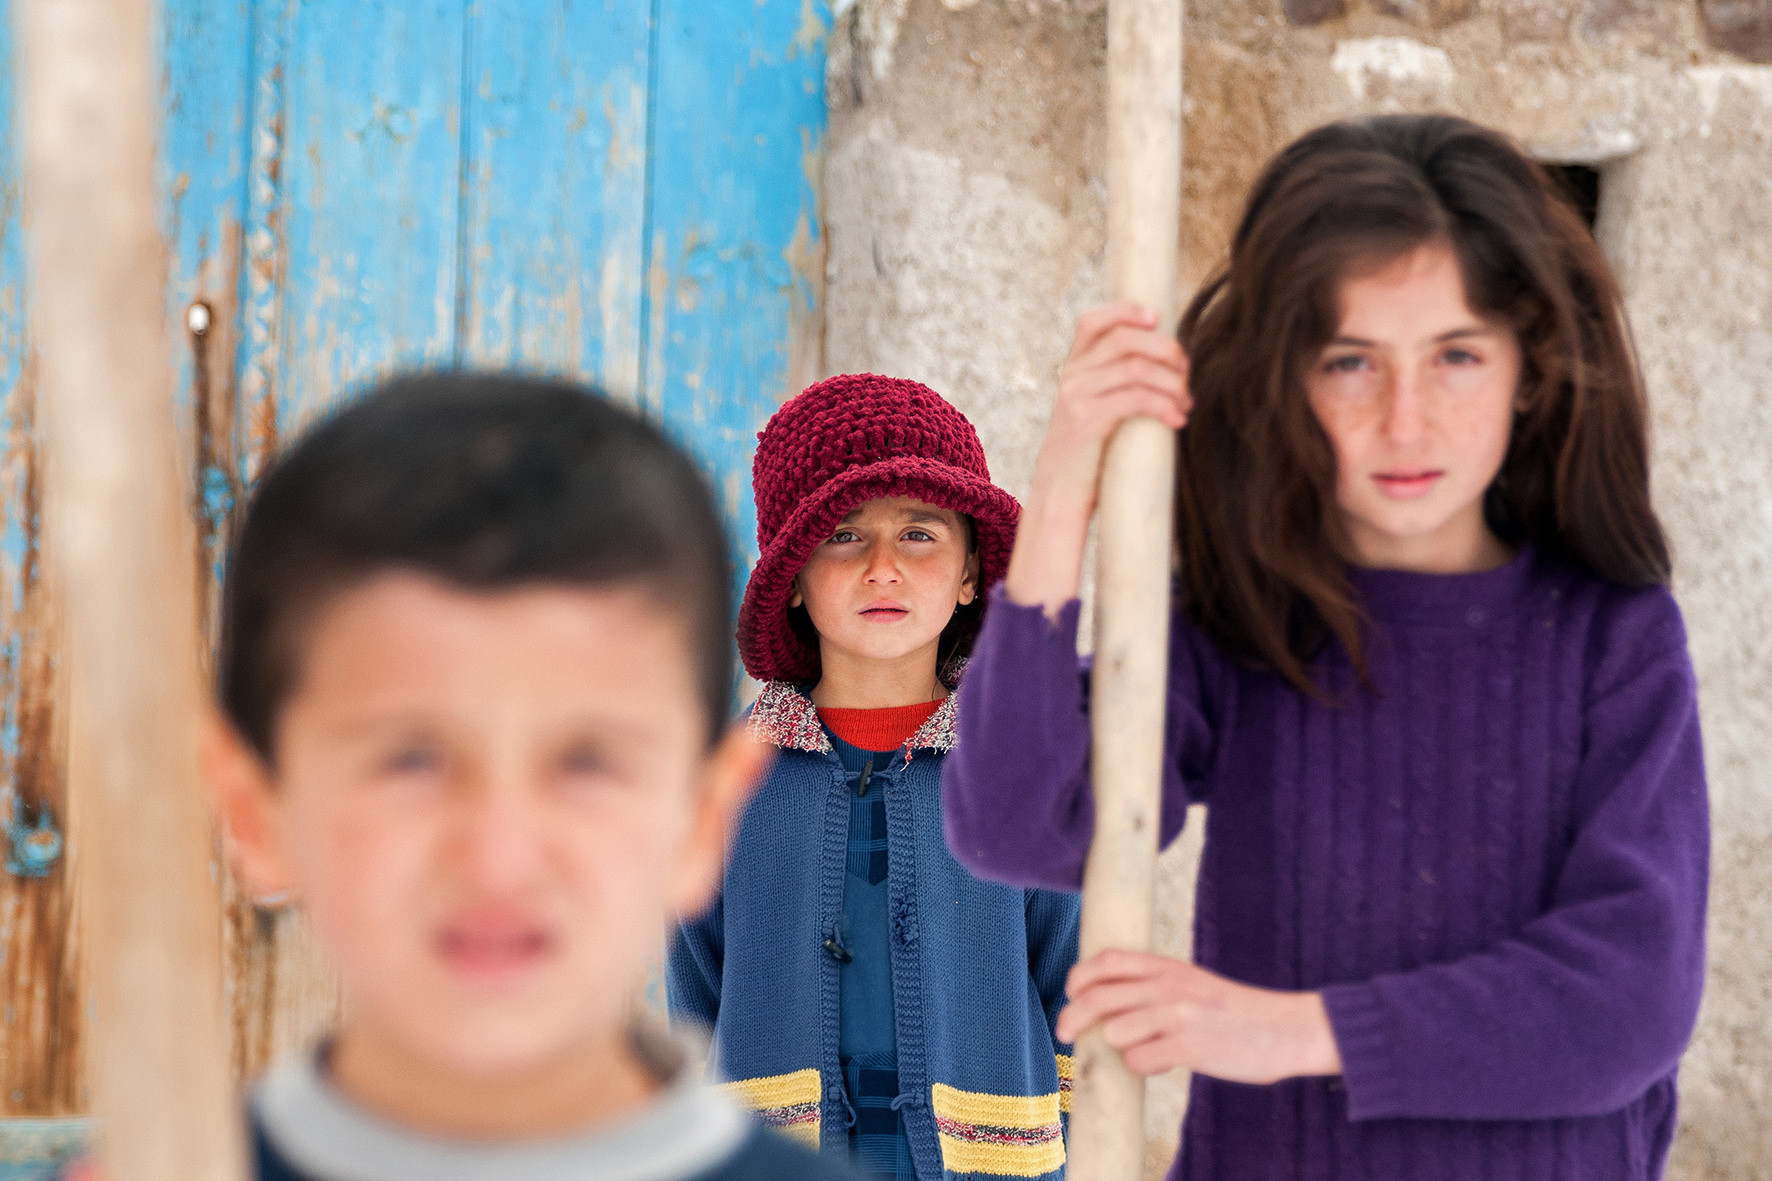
x: 1262, y: 545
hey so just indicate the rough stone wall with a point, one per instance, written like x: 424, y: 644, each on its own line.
x: 964, y: 201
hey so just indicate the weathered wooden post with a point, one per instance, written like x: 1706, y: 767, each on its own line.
x: 1135, y: 538
x: 121, y: 536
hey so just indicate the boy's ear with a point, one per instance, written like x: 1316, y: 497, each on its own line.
x: 251, y: 814
x: 731, y: 775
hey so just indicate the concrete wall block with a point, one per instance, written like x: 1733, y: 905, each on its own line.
x: 1741, y: 27
x: 1305, y: 13
x: 1536, y: 20
x: 967, y: 213
x: 1431, y: 14
x: 951, y: 258
x: 1684, y: 220
x: 1606, y: 16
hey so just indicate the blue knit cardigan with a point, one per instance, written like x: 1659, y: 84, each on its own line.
x: 978, y: 968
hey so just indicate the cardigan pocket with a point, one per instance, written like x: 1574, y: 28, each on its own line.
x: 787, y: 1103
x: 1003, y: 1135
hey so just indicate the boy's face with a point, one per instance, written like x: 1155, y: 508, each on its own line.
x: 887, y: 580
x: 488, y: 803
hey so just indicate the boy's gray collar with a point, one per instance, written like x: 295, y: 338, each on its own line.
x: 690, y: 1129
x: 784, y: 716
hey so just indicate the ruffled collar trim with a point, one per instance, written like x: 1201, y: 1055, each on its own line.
x: 784, y: 716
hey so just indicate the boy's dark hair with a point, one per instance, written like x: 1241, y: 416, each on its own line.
x: 486, y: 481
x: 1263, y: 568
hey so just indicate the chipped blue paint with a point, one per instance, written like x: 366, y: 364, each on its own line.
x: 33, y: 844
x: 10, y: 652
x: 261, y: 268
x: 370, y: 192
x: 202, y: 162
x: 554, y: 188
x: 39, y: 1149
x: 206, y: 85
x: 738, y: 107
x: 14, y: 307
x: 18, y: 529
x: 15, y: 541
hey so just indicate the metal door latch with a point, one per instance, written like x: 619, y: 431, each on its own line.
x: 32, y: 846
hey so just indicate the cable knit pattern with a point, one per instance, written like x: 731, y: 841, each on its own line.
x: 842, y: 442
x: 1493, y: 866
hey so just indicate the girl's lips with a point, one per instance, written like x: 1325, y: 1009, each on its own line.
x: 1406, y: 485
x: 884, y: 614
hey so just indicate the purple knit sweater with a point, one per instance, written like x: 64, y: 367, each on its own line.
x: 1494, y: 867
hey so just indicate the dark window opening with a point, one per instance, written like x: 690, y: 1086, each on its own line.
x: 1581, y: 185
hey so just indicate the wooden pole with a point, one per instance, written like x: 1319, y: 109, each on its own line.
x: 1135, y: 525
x: 122, y: 539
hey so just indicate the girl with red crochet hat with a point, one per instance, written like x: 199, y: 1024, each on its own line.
x: 865, y: 992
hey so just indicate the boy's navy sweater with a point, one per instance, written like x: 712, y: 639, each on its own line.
x: 1493, y: 866
x: 978, y: 968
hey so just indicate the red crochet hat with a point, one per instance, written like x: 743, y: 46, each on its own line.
x: 842, y: 442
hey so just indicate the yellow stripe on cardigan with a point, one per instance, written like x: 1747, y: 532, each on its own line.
x: 786, y: 1102
x: 1004, y: 1135
x: 1066, y: 1070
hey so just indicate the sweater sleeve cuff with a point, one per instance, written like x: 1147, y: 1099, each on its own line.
x: 1369, y: 1069
x: 1026, y: 629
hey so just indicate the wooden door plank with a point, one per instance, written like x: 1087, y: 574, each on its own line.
x: 41, y: 1015
x: 349, y: 266
x: 329, y: 205
x: 365, y: 220
x: 206, y: 52
x: 555, y: 187
x: 278, y: 991
x: 736, y: 252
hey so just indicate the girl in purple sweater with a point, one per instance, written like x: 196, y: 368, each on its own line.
x: 1424, y: 670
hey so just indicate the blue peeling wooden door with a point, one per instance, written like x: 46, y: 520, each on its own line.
x: 619, y: 190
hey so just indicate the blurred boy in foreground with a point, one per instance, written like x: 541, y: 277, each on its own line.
x: 474, y: 685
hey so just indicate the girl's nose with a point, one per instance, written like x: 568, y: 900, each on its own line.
x: 882, y: 564
x: 1404, y: 417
